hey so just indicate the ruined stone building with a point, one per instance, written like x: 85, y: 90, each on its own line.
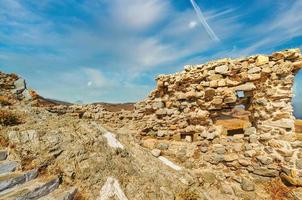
x: 247, y: 99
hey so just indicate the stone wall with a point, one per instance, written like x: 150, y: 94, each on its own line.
x: 223, y: 96
x: 238, y: 113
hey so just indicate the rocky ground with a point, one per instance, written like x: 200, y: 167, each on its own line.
x: 100, y: 149
x: 77, y: 151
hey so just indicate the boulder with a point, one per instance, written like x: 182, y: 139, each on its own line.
x: 20, y: 85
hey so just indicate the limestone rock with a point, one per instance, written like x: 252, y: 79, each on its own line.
x: 247, y: 184
x: 261, y: 60
x: 230, y: 157
x: 156, y: 152
x: 246, y: 87
x: 20, y: 85
x: 254, y: 70
x: 222, y: 69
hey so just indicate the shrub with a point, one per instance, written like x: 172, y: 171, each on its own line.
x: 9, y: 118
x: 4, y: 101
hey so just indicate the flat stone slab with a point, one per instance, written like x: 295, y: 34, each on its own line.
x: 3, y: 154
x: 112, y: 141
x: 8, y: 166
x: 31, y: 190
x: 169, y: 163
x: 9, y: 180
x: 112, y: 189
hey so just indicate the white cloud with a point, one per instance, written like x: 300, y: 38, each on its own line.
x: 116, y: 43
x: 138, y: 14
x: 192, y: 24
x: 203, y: 21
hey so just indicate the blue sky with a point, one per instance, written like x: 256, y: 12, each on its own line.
x: 111, y: 50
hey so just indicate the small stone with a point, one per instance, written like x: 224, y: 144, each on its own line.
x: 230, y: 157
x: 263, y: 171
x: 291, y: 181
x: 161, y: 133
x: 246, y: 87
x: 188, y: 138
x: 217, y: 101
x: 209, y: 94
x: 226, y: 189
x: 155, y: 152
x: 250, y: 153
x: 261, y: 60
x: 203, y: 149
x: 157, y: 105
x: 212, y: 135
x: 208, y: 177
x: 216, y: 158
x: 265, y: 160
x: 254, y: 70
x: 3, y: 154
x: 218, y: 148
x: 265, y: 137
x: 249, y: 131
x: 247, y: 184
x: 244, y: 162
x: 253, y: 138
x: 299, y: 163
x: 161, y: 112
x: 163, y: 146
x: 267, y: 70
x: 230, y: 99
x: 237, y: 147
x: 213, y: 84
x: 222, y: 69
x: 282, y: 123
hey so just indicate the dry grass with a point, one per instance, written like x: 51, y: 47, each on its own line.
x: 187, y: 195
x: 9, y: 118
x: 278, y: 190
x: 4, y: 101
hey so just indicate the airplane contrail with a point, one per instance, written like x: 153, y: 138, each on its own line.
x: 204, y: 22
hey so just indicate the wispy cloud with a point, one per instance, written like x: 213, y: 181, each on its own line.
x: 204, y: 22
x: 111, y: 49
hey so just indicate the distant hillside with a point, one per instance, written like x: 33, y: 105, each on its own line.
x: 115, y: 107
x: 50, y: 102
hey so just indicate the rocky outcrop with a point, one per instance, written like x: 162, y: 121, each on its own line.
x: 14, y: 88
x: 27, y: 185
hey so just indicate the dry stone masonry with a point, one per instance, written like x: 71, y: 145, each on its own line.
x: 238, y: 112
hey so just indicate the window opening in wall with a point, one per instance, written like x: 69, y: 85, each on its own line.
x: 235, y: 132
x: 240, y: 94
